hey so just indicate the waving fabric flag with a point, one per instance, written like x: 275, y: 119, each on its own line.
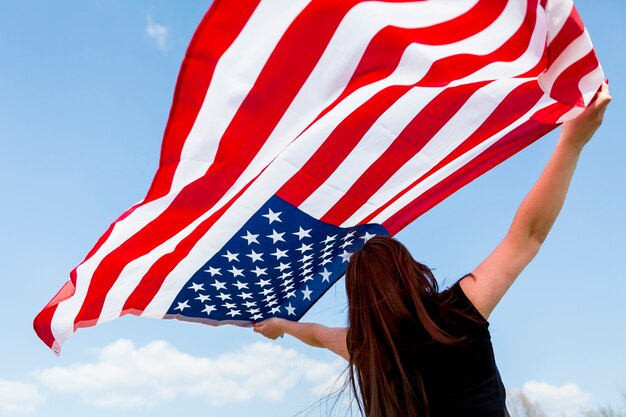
x: 300, y: 128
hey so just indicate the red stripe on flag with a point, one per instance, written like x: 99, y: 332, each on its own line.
x: 571, y: 30
x: 456, y: 67
x: 566, y: 86
x: 503, y: 149
x: 338, y: 146
x: 311, y: 177
x: 411, y: 140
x: 385, y: 50
x: 218, y: 30
x: 43, y: 322
x: 516, y: 104
x: 537, y: 69
x: 552, y: 113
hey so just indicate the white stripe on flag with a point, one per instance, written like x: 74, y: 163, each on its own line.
x: 219, y: 107
x: 471, y: 116
x: 557, y: 13
x: 403, y: 111
x: 234, y: 76
x: 586, y: 85
x: 373, y: 144
x: 455, y: 165
x: 527, y: 61
x: 576, y: 50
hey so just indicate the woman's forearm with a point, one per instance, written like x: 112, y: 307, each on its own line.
x: 317, y: 335
x: 306, y: 332
x: 542, y: 205
x: 540, y: 208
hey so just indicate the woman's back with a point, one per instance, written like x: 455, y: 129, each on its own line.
x: 459, y: 379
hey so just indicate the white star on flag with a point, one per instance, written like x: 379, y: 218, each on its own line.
x: 223, y: 296
x: 282, y: 266
x: 259, y: 271
x: 250, y: 238
x: 241, y: 285
x: 218, y: 285
x: 301, y: 233
x: 367, y: 236
x: 272, y: 217
x: 213, y: 271
x: 345, y: 256
x: 231, y: 256
x: 279, y: 253
x: 263, y: 282
x: 236, y: 272
x: 276, y: 237
x: 325, y: 275
x: 306, y: 293
x: 197, y: 287
x: 329, y: 239
x: 182, y: 306
x: 208, y: 309
x: 203, y: 298
x: 255, y: 256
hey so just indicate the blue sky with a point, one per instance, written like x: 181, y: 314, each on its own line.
x: 85, y: 91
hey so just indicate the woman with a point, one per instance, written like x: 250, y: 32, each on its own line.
x: 414, y: 351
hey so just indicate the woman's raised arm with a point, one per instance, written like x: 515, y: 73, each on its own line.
x: 537, y: 213
x: 317, y: 335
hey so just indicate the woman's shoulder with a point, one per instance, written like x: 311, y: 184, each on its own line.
x: 455, y: 298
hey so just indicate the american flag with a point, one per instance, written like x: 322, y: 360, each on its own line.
x: 300, y: 128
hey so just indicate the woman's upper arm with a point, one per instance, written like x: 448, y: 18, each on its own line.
x: 495, y: 275
x: 334, y: 339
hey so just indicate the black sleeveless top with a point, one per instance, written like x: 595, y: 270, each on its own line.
x: 461, y: 379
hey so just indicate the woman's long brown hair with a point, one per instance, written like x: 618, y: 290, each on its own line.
x: 388, y: 292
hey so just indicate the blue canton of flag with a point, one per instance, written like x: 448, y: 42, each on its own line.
x: 277, y: 265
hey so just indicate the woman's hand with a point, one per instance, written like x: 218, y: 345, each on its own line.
x: 271, y: 328
x: 578, y: 131
x: 312, y: 334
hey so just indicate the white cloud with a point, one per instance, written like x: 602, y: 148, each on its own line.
x: 567, y: 400
x: 19, y: 397
x: 157, y: 32
x: 125, y: 376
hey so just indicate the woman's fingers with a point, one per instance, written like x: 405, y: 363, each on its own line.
x: 604, y: 96
x: 600, y: 101
x: 264, y: 330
